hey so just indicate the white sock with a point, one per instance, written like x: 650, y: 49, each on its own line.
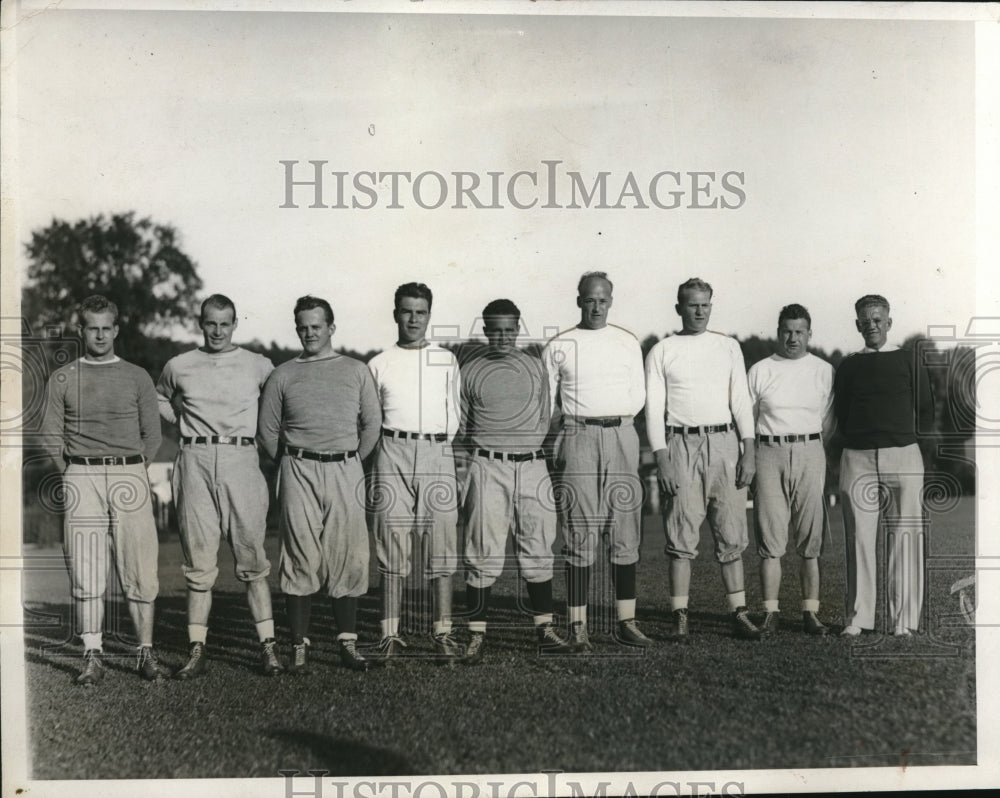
x: 390, y: 627
x: 92, y: 640
x: 477, y: 626
x: 197, y: 633
x: 442, y: 627
x: 678, y: 602
x: 625, y: 609
x: 265, y: 629
x: 347, y: 636
x: 543, y: 619
x: 578, y: 614
x: 737, y: 599
x: 810, y: 605
x: 770, y: 605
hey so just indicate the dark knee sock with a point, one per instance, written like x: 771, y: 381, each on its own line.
x: 477, y: 600
x: 577, y: 585
x: 624, y: 579
x: 540, y: 594
x: 345, y: 613
x: 299, y: 612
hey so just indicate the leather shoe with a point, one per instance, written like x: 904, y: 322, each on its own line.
x: 474, y: 651
x: 680, y: 632
x: 579, y: 640
x: 628, y: 633
x: 93, y: 671
x: 349, y: 656
x: 812, y: 625
x: 149, y: 666
x: 743, y: 627
x: 549, y: 641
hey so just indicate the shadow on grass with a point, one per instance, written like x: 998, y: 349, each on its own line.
x: 343, y: 757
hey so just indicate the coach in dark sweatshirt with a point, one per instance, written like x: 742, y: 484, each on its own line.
x: 882, y: 398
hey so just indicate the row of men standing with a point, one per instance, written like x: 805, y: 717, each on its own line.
x: 323, y: 414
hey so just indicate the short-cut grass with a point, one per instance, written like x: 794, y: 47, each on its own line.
x: 716, y: 703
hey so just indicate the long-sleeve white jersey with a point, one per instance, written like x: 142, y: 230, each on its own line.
x: 694, y: 381
x: 596, y: 372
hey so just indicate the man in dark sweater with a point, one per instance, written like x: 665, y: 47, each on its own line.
x: 882, y: 399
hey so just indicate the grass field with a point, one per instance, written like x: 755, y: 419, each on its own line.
x: 791, y: 702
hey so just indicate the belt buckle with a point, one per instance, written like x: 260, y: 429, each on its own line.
x: 226, y: 439
x: 106, y: 461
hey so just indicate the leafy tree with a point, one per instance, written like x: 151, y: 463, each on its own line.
x: 136, y: 263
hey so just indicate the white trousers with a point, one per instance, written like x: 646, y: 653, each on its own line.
x: 886, y: 482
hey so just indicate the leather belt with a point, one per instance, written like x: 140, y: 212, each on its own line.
x: 132, y: 459
x: 232, y: 440
x: 788, y: 438
x: 322, y: 457
x: 438, y: 437
x: 602, y: 421
x: 704, y: 430
x: 513, y: 457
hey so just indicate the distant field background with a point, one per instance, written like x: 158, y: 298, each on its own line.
x: 791, y: 702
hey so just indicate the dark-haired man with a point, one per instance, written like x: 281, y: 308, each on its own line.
x: 211, y: 394
x: 882, y: 400
x: 792, y: 395
x: 101, y: 419
x: 319, y: 413
x: 414, y: 486
x: 696, y: 391
x: 505, y: 418
x: 595, y: 369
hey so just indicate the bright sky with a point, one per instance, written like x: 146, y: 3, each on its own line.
x: 854, y: 137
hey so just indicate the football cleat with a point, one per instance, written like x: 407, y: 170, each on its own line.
x: 680, y: 632
x: 474, y: 651
x: 93, y: 670
x: 389, y: 649
x: 195, y: 666
x: 349, y: 656
x: 812, y: 625
x: 549, y: 641
x: 298, y: 664
x: 269, y: 662
x: 743, y: 627
x: 448, y: 651
x: 628, y: 633
x: 579, y: 640
x: 149, y: 666
x: 769, y: 626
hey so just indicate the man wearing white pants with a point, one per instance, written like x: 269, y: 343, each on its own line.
x: 882, y: 398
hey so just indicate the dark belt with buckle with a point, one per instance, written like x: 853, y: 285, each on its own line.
x: 322, y: 457
x: 704, y: 430
x: 437, y: 437
x: 132, y: 459
x: 513, y: 457
x: 788, y: 438
x: 602, y: 421
x: 231, y: 440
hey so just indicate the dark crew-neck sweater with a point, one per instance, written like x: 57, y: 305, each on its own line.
x: 882, y: 399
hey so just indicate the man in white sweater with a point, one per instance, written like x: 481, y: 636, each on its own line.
x: 414, y: 490
x: 595, y: 369
x: 792, y: 395
x: 696, y: 389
